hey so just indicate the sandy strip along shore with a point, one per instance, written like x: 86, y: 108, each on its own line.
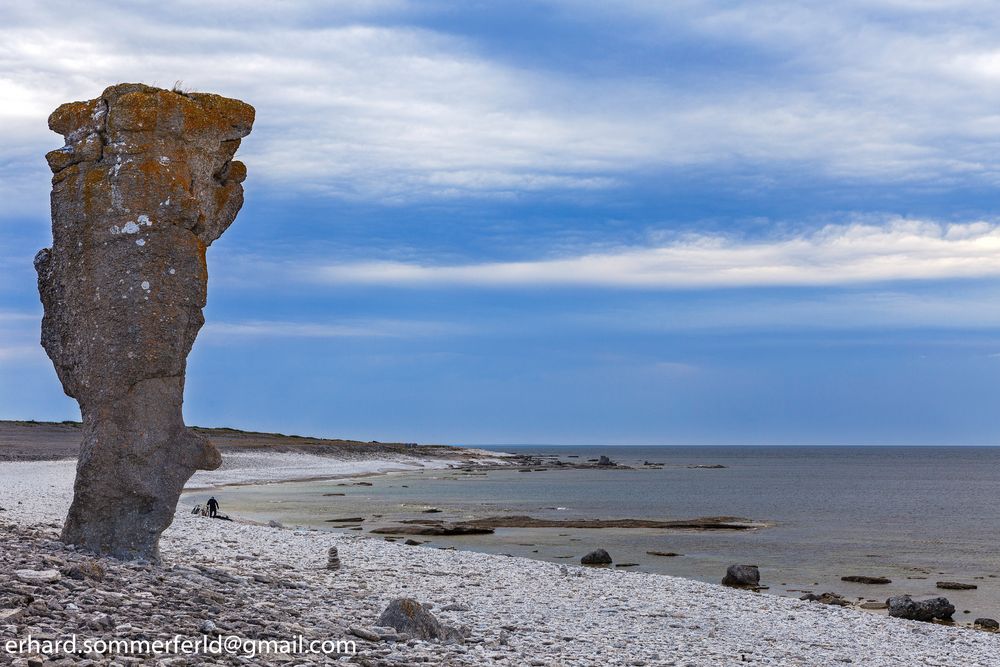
x: 258, y: 581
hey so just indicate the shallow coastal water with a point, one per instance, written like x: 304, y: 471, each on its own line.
x: 914, y: 514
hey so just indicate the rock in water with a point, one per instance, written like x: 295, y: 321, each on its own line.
x: 742, y: 576
x: 956, y: 586
x: 409, y: 616
x: 867, y: 580
x: 903, y: 606
x: 144, y: 184
x: 596, y: 557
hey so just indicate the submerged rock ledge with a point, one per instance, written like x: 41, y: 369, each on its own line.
x: 521, y: 521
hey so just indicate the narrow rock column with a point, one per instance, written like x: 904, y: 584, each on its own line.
x: 144, y: 184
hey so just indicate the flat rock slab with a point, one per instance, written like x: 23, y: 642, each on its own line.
x: 38, y: 576
x: 856, y: 579
x: 956, y: 586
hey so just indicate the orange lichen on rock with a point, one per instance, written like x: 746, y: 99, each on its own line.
x: 145, y: 183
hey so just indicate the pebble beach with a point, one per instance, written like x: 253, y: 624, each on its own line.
x: 220, y: 578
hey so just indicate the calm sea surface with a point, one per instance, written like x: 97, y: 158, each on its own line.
x: 914, y: 514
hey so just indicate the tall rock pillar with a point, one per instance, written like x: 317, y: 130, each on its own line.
x: 144, y: 184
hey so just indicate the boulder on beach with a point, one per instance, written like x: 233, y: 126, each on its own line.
x: 742, y: 576
x: 409, y: 616
x: 866, y: 580
x: 987, y: 624
x: 904, y: 606
x: 596, y: 557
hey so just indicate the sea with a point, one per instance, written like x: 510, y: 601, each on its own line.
x: 916, y: 515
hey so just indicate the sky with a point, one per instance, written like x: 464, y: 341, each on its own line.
x: 641, y: 222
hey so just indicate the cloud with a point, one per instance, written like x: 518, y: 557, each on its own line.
x: 345, y: 108
x: 226, y: 331
x: 842, y: 310
x: 833, y: 255
x: 356, y: 101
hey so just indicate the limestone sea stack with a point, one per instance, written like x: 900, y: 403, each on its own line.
x: 145, y: 183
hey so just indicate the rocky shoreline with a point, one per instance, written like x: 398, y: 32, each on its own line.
x: 223, y: 578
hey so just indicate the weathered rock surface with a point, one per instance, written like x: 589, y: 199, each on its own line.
x: 408, y: 616
x: 903, y: 606
x: 987, y: 623
x: 145, y: 183
x: 742, y: 576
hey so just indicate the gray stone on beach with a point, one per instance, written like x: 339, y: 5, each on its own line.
x: 37, y: 576
x: 742, y: 576
x: 904, y: 606
x: 408, y: 616
x: 364, y: 633
x: 145, y: 183
x: 987, y: 623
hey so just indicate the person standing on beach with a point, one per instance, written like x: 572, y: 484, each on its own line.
x: 213, y: 506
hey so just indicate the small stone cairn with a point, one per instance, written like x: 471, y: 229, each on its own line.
x: 333, y: 559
